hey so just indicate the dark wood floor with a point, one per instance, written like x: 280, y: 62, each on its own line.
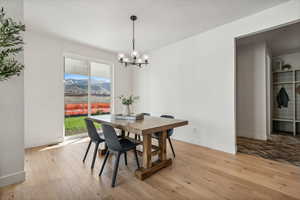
x: 279, y: 147
x: 57, y: 172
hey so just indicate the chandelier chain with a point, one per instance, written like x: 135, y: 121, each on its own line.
x: 133, y: 38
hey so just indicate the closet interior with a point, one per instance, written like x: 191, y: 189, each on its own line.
x: 268, y: 94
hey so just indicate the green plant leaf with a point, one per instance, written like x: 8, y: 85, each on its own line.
x: 11, y: 43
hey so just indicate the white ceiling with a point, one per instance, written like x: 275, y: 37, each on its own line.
x: 281, y: 41
x: 105, y: 23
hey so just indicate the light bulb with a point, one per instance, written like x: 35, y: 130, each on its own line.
x: 146, y: 57
x: 126, y: 59
x: 134, y: 54
x: 139, y: 60
x: 121, y: 55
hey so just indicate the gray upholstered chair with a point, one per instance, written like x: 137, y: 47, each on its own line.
x: 117, y: 147
x: 95, y: 137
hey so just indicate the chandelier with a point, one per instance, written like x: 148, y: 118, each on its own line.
x: 133, y: 58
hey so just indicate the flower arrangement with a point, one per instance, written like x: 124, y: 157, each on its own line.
x: 128, y: 100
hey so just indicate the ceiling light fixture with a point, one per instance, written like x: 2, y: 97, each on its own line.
x: 133, y: 58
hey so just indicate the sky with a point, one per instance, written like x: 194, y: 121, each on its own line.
x: 80, y: 77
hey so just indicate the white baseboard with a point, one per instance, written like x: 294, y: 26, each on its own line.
x: 194, y: 141
x: 12, y: 178
x: 43, y: 143
x: 257, y: 135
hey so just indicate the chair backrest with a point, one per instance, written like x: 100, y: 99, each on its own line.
x: 170, y: 131
x: 92, y: 131
x: 111, y: 138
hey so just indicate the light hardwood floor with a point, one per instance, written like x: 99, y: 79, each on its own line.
x: 57, y: 172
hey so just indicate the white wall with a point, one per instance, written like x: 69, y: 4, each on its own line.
x: 12, y: 115
x: 252, y: 91
x: 44, y: 87
x: 293, y: 59
x: 194, y: 78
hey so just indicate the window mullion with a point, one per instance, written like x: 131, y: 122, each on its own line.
x: 89, y: 88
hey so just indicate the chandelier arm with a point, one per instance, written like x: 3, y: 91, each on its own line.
x: 135, y: 63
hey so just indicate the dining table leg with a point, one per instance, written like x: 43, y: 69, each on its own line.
x: 122, y: 133
x: 102, y: 151
x: 149, y: 168
x: 147, y: 151
x: 162, y: 142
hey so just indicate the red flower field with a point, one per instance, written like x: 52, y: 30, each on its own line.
x: 77, y: 109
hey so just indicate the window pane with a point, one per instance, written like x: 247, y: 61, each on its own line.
x: 100, y: 88
x: 76, y: 96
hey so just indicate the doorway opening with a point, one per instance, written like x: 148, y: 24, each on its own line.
x: 268, y: 94
x: 87, y: 91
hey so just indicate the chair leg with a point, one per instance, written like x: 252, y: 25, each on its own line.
x: 171, y: 146
x: 135, y: 136
x: 104, y: 162
x: 95, y: 154
x: 125, y: 158
x: 115, y: 170
x: 87, y: 150
x: 136, y: 158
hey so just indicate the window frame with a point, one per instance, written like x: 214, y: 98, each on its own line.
x: 89, y: 60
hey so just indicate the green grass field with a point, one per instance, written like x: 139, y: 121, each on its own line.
x: 76, y: 125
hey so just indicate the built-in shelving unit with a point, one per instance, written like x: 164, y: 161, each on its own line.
x: 283, y: 120
x: 286, y: 119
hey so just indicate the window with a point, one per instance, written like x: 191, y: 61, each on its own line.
x: 87, y: 92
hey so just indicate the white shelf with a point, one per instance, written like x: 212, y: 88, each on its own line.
x: 287, y: 82
x: 284, y: 71
x: 281, y: 71
x: 283, y: 120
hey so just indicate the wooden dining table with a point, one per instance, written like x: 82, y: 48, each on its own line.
x: 146, y: 128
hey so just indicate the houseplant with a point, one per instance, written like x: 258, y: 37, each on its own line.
x: 11, y: 43
x: 127, y: 102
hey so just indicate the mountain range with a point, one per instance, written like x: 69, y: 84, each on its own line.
x: 80, y: 87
